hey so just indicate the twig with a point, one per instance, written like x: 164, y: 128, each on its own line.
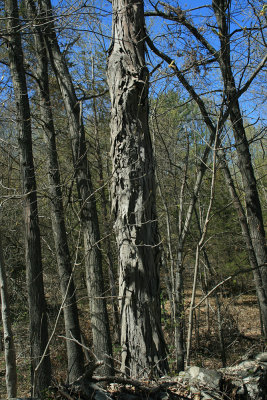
x: 212, y: 290
x: 65, y: 394
x: 128, y: 381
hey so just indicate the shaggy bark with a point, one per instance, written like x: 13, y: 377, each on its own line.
x: 133, y: 195
x: 37, y: 308
x: 70, y: 311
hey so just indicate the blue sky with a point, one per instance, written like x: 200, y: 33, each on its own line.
x: 251, y: 102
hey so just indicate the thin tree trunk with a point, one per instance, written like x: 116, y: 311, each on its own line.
x: 175, y: 281
x: 220, y: 331
x: 133, y: 195
x: 217, y: 299
x: 179, y: 278
x: 191, y: 309
x: 41, y: 378
x: 198, y: 249
x: 89, y: 219
x: 9, y: 347
x: 169, y: 273
x: 259, y: 284
x: 179, y: 317
x: 70, y: 311
x: 252, y: 201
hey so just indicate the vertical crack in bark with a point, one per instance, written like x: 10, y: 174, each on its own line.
x: 133, y: 195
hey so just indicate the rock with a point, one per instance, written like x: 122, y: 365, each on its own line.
x: 262, y: 357
x: 205, y: 377
x: 248, y: 379
x: 203, y: 383
x: 244, y: 381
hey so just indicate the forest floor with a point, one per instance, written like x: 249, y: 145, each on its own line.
x: 240, y: 326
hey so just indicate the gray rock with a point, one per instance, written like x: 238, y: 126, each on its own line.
x: 249, y: 379
x: 205, y: 377
x: 245, y: 381
x: 262, y: 357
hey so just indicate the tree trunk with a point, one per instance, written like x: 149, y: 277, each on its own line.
x: 216, y: 296
x: 37, y: 308
x: 174, y: 276
x: 89, y: 218
x: 252, y: 201
x: 179, y: 315
x: 10, y: 353
x: 111, y: 268
x: 70, y: 311
x: 259, y: 285
x: 133, y: 195
x: 199, y: 247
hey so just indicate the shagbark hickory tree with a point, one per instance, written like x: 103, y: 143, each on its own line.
x: 133, y: 195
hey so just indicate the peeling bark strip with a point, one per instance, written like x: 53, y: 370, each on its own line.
x: 133, y: 195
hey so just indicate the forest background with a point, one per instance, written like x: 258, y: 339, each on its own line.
x: 212, y: 260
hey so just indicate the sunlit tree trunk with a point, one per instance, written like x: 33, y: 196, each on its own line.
x: 133, y: 195
x: 41, y: 376
x: 9, y: 347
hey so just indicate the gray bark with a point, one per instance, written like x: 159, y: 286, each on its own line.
x: 70, y: 311
x: 133, y: 195
x: 9, y: 347
x: 37, y: 308
x: 252, y: 201
x: 89, y: 218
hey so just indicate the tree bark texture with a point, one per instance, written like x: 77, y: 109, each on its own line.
x: 133, y: 195
x: 88, y: 213
x: 70, y: 311
x: 253, y: 205
x: 9, y: 347
x: 37, y: 308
